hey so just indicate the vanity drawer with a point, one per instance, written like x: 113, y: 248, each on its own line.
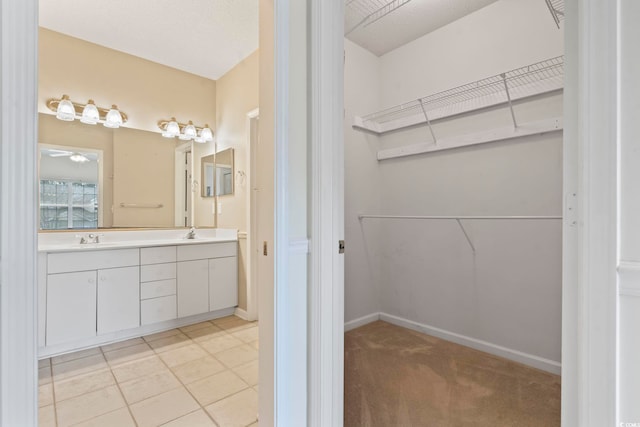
x: 158, y: 309
x: 153, y: 272
x: 92, y: 260
x: 160, y: 288
x: 157, y: 255
x: 207, y: 250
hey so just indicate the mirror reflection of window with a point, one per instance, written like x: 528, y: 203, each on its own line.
x: 69, y: 188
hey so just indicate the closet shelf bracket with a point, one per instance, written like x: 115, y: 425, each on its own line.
x: 556, y: 7
x: 506, y: 91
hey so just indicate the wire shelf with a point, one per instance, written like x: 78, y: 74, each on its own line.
x: 524, y: 82
x: 361, y: 13
x: 556, y: 7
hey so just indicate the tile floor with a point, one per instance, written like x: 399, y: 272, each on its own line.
x: 199, y: 375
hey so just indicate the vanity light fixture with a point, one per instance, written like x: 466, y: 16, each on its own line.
x: 88, y: 113
x: 185, y: 132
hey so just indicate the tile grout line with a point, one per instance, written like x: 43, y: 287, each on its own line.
x: 135, y: 422
x: 102, y: 352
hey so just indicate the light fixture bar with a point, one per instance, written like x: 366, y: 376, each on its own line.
x: 53, y: 103
x: 172, y: 128
x: 162, y: 124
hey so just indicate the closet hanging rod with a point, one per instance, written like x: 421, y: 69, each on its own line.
x: 516, y: 217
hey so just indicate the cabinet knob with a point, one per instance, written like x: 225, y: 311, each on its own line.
x: 91, y: 280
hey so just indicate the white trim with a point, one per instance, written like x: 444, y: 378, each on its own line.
x: 629, y: 278
x: 361, y: 321
x: 299, y: 246
x: 241, y: 314
x: 326, y: 287
x: 179, y: 190
x: 18, y: 213
x: 251, y: 265
x: 140, y: 331
x: 290, y: 297
x: 499, y: 134
x: 593, y: 32
x: 487, y: 347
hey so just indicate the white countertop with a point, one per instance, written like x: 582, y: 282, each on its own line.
x: 69, y: 242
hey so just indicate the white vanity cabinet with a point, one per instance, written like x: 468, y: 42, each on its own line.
x: 71, y: 306
x: 157, y: 284
x: 193, y: 287
x: 223, y: 279
x: 207, y: 277
x: 90, y: 296
x: 118, y: 299
x: 90, y: 293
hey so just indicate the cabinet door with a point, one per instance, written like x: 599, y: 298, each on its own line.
x: 223, y: 283
x: 118, y: 299
x: 71, y: 306
x: 193, y: 287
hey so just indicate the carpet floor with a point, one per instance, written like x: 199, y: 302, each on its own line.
x: 396, y: 377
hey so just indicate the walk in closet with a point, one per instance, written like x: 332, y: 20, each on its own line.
x: 453, y: 212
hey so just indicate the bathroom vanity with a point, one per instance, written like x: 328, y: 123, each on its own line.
x: 131, y: 284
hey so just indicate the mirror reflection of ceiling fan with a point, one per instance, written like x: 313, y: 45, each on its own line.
x: 73, y: 155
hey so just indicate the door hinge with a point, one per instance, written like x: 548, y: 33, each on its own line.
x: 264, y: 248
x: 340, y: 246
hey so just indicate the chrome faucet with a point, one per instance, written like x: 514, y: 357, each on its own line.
x: 191, y: 234
x: 89, y: 238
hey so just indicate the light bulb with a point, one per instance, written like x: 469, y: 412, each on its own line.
x: 206, y: 134
x: 172, y: 130
x: 66, y: 111
x: 189, y: 132
x: 90, y: 114
x: 114, y: 118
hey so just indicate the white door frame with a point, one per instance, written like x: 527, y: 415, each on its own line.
x: 590, y: 309
x: 180, y: 190
x: 326, y: 284
x: 252, y: 220
x: 590, y: 246
x: 18, y: 213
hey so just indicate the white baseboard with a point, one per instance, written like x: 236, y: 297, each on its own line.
x: 361, y: 321
x: 241, y: 313
x: 113, y: 337
x: 515, y: 355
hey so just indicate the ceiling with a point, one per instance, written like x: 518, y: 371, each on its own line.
x: 405, y: 21
x: 203, y: 37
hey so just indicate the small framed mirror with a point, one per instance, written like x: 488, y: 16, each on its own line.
x: 218, y: 174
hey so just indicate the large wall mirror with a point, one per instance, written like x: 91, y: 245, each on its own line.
x: 95, y: 177
x: 218, y: 174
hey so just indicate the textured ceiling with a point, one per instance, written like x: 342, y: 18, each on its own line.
x: 203, y: 37
x: 402, y: 21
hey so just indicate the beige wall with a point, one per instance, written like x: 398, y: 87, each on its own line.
x: 236, y: 95
x: 145, y: 90
x: 143, y: 174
